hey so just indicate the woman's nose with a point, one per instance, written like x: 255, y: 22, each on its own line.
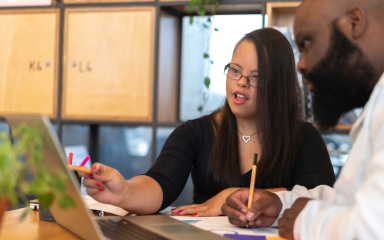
x: 243, y: 82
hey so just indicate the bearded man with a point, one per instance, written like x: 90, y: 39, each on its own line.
x: 342, y: 63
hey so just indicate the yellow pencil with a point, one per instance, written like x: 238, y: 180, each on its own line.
x: 80, y: 169
x: 252, y: 185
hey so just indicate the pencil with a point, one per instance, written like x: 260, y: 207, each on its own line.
x: 80, y: 169
x: 252, y: 185
x: 84, y: 161
x: 70, y: 158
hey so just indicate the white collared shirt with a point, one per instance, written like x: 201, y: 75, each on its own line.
x: 354, y: 208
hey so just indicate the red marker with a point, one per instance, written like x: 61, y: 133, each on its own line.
x: 84, y: 161
x: 70, y: 158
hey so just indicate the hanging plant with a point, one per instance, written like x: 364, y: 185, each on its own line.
x: 205, y: 8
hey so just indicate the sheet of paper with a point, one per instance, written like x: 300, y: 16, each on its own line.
x: 95, y: 205
x: 221, y: 226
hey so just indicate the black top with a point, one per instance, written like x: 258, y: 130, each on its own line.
x: 188, y: 148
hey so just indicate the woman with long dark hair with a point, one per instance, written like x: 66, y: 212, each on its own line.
x: 262, y: 114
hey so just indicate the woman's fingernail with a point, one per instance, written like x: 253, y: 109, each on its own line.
x: 101, y: 189
x: 244, y: 210
x: 242, y: 218
x: 180, y: 211
x: 195, y: 214
x: 94, y: 168
x: 97, y: 173
x: 251, y: 215
x: 173, y: 209
x: 90, y: 176
x: 98, y: 184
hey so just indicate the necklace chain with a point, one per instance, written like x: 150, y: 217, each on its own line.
x: 249, y: 135
x: 247, y: 138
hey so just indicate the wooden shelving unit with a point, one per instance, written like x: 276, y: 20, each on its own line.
x: 29, y: 47
x: 108, y: 63
x: 281, y: 14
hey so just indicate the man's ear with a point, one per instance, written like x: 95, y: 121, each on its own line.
x: 356, y: 18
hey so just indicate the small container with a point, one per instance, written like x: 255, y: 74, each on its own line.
x: 78, y: 177
x: 45, y: 214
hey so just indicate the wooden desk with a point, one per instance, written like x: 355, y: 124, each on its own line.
x: 34, y: 229
x: 31, y: 228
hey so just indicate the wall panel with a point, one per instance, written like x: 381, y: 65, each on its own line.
x: 108, y: 63
x: 29, y: 61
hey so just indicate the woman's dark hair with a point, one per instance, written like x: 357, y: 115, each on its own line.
x: 280, y: 120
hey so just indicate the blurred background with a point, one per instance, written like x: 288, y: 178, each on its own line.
x: 116, y: 77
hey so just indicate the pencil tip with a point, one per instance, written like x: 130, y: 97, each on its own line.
x: 255, y: 159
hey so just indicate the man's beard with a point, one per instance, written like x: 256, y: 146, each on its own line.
x: 342, y: 80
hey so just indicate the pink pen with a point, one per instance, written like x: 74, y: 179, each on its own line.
x: 84, y: 161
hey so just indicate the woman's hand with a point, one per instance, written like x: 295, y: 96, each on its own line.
x: 105, y: 184
x: 210, y: 208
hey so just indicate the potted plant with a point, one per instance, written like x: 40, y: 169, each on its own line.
x: 14, y: 184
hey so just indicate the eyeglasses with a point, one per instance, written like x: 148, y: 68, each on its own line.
x: 235, y: 74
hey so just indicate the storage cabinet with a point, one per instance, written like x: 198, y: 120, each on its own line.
x: 29, y: 46
x: 108, y: 63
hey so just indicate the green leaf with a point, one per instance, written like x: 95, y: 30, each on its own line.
x: 200, y: 108
x: 42, y: 173
x: 190, y: 20
x: 39, y: 187
x: 25, y: 187
x: 199, y: 2
x: 209, y: 20
x: 192, y: 4
x: 58, y: 184
x: 215, y: 8
x: 211, y: 62
x: 66, y: 202
x: 5, y: 162
x: 216, y: 29
x: 201, y: 11
x: 207, y: 82
x: 206, y: 55
x: 46, y: 200
x: 205, y: 25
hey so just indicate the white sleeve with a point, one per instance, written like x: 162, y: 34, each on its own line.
x: 364, y: 218
x: 322, y: 219
x: 287, y: 198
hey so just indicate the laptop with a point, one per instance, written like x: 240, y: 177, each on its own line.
x: 80, y: 220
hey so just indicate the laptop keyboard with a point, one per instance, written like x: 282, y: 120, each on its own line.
x: 126, y: 230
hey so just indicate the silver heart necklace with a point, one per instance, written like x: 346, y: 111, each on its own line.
x: 247, y: 138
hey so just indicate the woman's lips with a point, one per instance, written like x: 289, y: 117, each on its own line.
x: 239, y: 98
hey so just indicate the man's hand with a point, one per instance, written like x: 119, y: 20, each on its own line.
x: 265, y: 208
x: 289, y: 216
